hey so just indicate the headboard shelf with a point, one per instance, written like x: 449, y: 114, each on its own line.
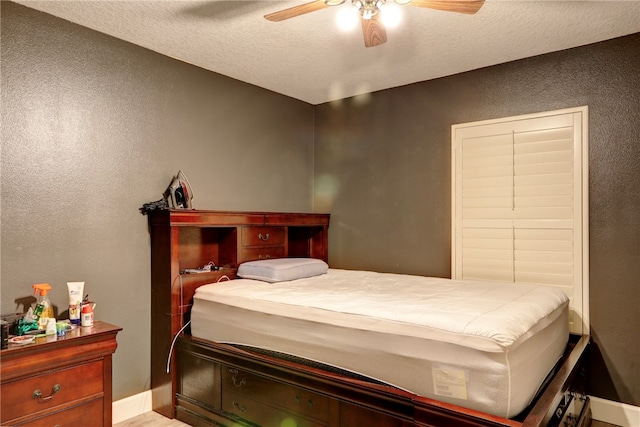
x: 186, y: 239
x: 198, y: 246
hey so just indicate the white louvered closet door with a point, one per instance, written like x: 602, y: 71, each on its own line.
x: 520, y: 203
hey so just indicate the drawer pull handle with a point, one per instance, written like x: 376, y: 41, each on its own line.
x: 237, y: 383
x: 265, y: 257
x: 238, y: 407
x: 263, y: 237
x: 309, y: 402
x: 38, y: 394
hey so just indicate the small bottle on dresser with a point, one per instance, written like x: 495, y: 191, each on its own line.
x: 87, y: 315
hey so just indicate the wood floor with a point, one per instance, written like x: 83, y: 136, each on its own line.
x: 149, y: 419
x: 154, y: 419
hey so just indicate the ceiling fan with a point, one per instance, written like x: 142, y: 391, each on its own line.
x: 373, y: 30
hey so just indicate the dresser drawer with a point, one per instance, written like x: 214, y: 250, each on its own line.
x: 260, y: 413
x: 46, y: 391
x: 252, y: 254
x: 288, y: 397
x: 262, y: 236
x: 87, y: 414
x: 355, y: 415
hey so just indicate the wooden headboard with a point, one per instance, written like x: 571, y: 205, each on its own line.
x: 190, y: 239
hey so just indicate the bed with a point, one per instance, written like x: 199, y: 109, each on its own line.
x: 348, y: 348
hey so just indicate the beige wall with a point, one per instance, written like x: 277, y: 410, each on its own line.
x: 383, y: 169
x: 92, y: 128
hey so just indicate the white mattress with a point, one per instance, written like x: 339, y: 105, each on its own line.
x: 482, y: 345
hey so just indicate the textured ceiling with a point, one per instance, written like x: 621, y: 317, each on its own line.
x: 310, y: 59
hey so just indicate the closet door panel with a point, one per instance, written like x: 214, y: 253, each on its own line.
x: 487, y: 254
x: 519, y: 203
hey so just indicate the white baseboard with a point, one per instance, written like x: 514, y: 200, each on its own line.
x: 131, y: 406
x: 616, y: 413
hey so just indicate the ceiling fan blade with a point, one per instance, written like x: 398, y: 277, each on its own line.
x: 294, y: 11
x: 460, y: 6
x: 373, y: 31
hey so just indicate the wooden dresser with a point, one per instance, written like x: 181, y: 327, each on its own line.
x: 189, y: 239
x: 59, y: 381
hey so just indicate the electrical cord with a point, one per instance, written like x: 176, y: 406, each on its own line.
x: 175, y: 338
x: 173, y: 343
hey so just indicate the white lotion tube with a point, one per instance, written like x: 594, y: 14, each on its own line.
x: 76, y: 289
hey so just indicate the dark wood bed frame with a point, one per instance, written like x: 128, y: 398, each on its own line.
x: 209, y: 384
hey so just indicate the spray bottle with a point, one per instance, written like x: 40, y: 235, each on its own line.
x: 44, y: 309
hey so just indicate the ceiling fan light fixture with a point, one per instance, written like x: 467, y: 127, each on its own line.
x: 368, y: 8
x: 367, y: 13
x: 334, y: 2
x: 402, y: 2
x: 358, y: 4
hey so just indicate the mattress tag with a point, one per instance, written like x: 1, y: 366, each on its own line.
x: 449, y: 383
